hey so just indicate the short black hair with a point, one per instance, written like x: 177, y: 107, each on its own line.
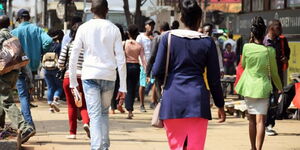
x: 208, y: 24
x: 75, y: 19
x: 164, y: 26
x: 4, y: 21
x: 99, y: 7
x: 74, y: 29
x: 191, y: 13
x: 133, y: 31
x: 175, y: 24
x: 121, y: 30
x: 56, y: 34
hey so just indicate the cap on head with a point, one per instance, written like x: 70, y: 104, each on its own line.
x: 22, y: 13
x: 150, y: 22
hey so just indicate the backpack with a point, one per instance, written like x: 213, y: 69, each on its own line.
x: 12, y: 56
x: 50, y: 60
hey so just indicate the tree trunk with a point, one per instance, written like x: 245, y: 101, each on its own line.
x: 138, y: 14
x: 127, y: 12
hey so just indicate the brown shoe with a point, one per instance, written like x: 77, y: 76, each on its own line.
x: 120, y: 108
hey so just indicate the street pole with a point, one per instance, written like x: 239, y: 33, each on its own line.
x: 45, y: 13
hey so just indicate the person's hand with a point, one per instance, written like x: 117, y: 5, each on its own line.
x: 221, y: 115
x: 222, y: 74
x: 279, y: 91
x: 121, y: 97
x: 148, y: 79
x: 73, y: 92
x: 225, y: 59
x: 284, y: 60
x: 31, y: 90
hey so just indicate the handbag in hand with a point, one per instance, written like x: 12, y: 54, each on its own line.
x: 156, y: 122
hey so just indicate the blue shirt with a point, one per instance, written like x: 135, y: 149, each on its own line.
x: 185, y: 94
x: 34, y: 40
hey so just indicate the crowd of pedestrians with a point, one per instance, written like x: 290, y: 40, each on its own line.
x: 99, y: 66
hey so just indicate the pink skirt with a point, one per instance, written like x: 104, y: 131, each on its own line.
x: 186, y: 133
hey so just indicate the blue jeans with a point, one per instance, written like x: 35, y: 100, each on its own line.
x: 98, y: 94
x: 54, y: 85
x: 24, y: 98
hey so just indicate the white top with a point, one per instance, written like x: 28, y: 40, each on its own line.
x: 146, y: 43
x: 232, y: 43
x: 103, y: 53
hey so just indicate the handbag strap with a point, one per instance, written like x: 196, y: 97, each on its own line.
x: 167, y: 59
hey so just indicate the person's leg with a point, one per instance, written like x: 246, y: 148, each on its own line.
x: 50, y: 82
x: 98, y: 94
x: 196, y: 133
x: 83, y: 109
x: 154, y: 97
x: 2, y: 115
x: 142, y: 89
x: 260, y: 129
x: 58, y: 87
x: 132, y: 79
x: 176, y: 138
x: 72, y: 109
x: 252, y: 131
x: 7, y: 82
x: 24, y: 99
x: 107, y: 89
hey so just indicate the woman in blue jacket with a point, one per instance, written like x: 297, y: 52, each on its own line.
x: 185, y: 108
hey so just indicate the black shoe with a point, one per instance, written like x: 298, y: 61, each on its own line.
x: 33, y: 105
x: 152, y: 105
x: 27, y: 134
x: 87, y: 130
x: 142, y: 108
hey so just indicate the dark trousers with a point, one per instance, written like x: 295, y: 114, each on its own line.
x: 133, y: 72
x: 114, y: 101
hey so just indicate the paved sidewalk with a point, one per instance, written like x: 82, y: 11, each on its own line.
x: 137, y: 134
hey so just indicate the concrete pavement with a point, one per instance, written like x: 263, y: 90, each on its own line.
x: 137, y: 134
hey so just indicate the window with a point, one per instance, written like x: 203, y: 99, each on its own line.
x: 246, y: 5
x: 293, y: 3
x: 257, y: 5
x: 277, y: 4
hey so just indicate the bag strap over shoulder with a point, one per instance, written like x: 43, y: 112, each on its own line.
x: 168, y: 58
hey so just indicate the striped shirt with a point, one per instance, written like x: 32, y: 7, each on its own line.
x: 62, y: 59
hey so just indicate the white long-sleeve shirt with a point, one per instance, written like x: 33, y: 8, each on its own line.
x: 103, y: 53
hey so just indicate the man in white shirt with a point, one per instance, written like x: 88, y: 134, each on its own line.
x: 231, y: 42
x: 145, y: 40
x: 103, y: 53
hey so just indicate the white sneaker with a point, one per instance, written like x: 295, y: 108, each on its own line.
x: 55, y: 107
x: 71, y: 136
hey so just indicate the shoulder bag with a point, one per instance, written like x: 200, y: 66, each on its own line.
x: 156, y: 122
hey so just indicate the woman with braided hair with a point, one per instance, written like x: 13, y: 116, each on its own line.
x: 255, y: 85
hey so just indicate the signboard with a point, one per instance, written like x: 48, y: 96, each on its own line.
x: 294, y: 62
x: 290, y: 20
x: 225, y: 7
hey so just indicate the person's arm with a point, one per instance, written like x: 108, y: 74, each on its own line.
x: 154, y: 47
x: 143, y: 59
x: 121, y: 61
x: 213, y: 76
x: 73, y: 59
x: 287, y: 50
x: 62, y: 57
x: 274, y: 69
x: 158, y: 69
x: 46, y: 40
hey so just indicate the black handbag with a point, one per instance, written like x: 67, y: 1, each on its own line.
x: 61, y: 72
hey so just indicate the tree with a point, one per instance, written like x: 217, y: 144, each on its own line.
x: 138, y: 13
